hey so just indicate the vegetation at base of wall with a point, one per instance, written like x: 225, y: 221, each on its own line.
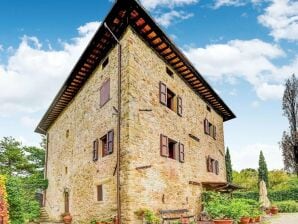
x: 282, y: 195
x: 222, y: 206
x: 148, y: 215
x: 23, y: 167
x: 287, y: 206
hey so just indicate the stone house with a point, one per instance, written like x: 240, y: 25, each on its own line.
x: 134, y: 126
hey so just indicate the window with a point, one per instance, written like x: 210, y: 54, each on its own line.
x: 169, y: 99
x: 212, y: 165
x: 105, y: 63
x: 171, y: 149
x: 95, y: 150
x: 99, y: 193
x: 67, y: 133
x: 169, y: 72
x: 209, y: 129
x: 107, y: 143
x: 208, y: 108
x: 105, y: 92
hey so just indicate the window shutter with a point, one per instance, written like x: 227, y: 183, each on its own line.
x: 99, y: 193
x: 179, y: 106
x: 214, y: 132
x: 95, y: 150
x: 181, y: 153
x: 211, y: 130
x: 163, y: 93
x: 105, y: 92
x: 216, y: 167
x: 209, y: 164
x: 110, y: 141
x: 206, y: 126
x: 164, y: 150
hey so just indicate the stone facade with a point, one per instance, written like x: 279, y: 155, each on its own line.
x: 164, y: 183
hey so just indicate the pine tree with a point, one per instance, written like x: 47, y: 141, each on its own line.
x: 229, y: 169
x: 263, y: 170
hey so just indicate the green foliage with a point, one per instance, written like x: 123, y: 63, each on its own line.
x: 148, y: 215
x: 287, y: 206
x: 263, y: 170
x: 281, y: 195
x: 24, y: 169
x: 221, y: 206
x: 247, y: 178
x: 229, y: 169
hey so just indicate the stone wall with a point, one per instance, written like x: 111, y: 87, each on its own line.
x: 70, y: 158
x: 70, y: 161
x: 167, y: 179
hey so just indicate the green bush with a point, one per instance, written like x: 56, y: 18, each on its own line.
x: 287, y: 206
x: 281, y: 195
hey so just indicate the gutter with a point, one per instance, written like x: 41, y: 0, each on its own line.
x: 118, y: 124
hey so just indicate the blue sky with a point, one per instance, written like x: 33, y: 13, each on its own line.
x: 244, y: 48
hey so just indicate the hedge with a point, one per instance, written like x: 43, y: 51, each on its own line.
x: 284, y: 195
x: 287, y: 206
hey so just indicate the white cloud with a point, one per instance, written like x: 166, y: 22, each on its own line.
x: 29, y: 122
x: 33, y: 75
x: 221, y: 3
x: 281, y: 17
x: 167, y: 18
x: 1, y: 48
x: 249, y: 156
x: 251, y: 60
x: 152, y: 4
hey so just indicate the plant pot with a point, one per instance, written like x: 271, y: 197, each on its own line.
x: 244, y: 220
x: 67, y: 219
x: 223, y: 221
x: 252, y: 220
x: 258, y: 219
x: 274, y: 210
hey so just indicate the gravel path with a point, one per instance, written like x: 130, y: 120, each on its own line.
x: 285, y: 218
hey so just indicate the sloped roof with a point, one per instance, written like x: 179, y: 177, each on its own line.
x: 123, y: 14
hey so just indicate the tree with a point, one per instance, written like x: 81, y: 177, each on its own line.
x: 23, y: 166
x: 263, y: 170
x: 247, y: 178
x: 289, y: 143
x: 229, y: 169
x: 12, y: 157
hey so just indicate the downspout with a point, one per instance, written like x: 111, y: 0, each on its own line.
x: 118, y: 124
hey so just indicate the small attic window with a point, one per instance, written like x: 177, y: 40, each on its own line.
x: 169, y: 72
x: 67, y: 133
x: 105, y: 63
x: 208, y: 108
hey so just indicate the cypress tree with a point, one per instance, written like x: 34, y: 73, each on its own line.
x: 229, y: 169
x: 263, y: 170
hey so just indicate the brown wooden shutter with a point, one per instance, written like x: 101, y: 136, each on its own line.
x: 179, y: 106
x: 164, y: 149
x: 214, y: 132
x: 95, y: 150
x: 216, y: 167
x: 163, y: 93
x: 110, y: 141
x: 105, y: 92
x: 209, y: 164
x: 206, y: 126
x: 99, y: 193
x: 211, y: 130
x: 181, y: 153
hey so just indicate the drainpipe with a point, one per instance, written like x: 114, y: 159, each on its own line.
x: 119, y: 124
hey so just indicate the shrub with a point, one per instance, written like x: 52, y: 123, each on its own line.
x: 287, y: 206
x: 281, y: 195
